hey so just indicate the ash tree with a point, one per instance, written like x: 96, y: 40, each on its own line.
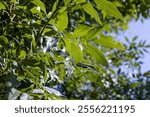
x: 44, y: 44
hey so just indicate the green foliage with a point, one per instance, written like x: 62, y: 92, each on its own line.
x: 91, y: 11
x: 2, y: 6
x: 108, y: 8
x: 74, y: 50
x: 109, y: 42
x: 132, y: 9
x: 128, y: 82
x: 62, y: 22
x: 40, y: 4
x: 97, y: 55
x: 44, y: 43
x: 3, y: 40
x: 81, y: 30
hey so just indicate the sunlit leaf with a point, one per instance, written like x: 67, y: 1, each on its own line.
x: 55, y: 6
x: 117, y: 4
x: 109, y: 8
x: 22, y: 54
x: 40, y: 4
x: 74, y: 50
x: 13, y: 1
x: 45, y: 73
x: 88, y: 8
x: 33, y: 43
x: 34, y: 10
x: 110, y: 42
x: 97, y: 31
x: 81, y: 30
x: 67, y: 2
x: 93, y: 33
x: 80, y: 1
x: 97, y: 55
x: 2, y: 6
x: 62, y: 22
x: 62, y: 9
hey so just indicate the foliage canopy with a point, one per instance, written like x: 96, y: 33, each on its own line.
x: 44, y: 44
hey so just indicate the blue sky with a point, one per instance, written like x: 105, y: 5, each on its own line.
x: 142, y: 30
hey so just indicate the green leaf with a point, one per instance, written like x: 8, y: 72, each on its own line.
x: 97, y: 55
x: 34, y: 43
x: 93, y: 33
x: 62, y: 9
x: 55, y: 6
x: 74, y: 50
x: 117, y: 4
x: 46, y: 32
x: 35, y: 72
x: 31, y: 62
x: 135, y: 38
x: 48, y: 59
x: 13, y: 1
x: 45, y: 73
x: 3, y: 40
x: 110, y: 42
x: 62, y: 22
x: 88, y: 8
x: 40, y: 4
x: 81, y: 30
x: 67, y: 2
x: 80, y: 1
x: 96, y: 31
x: 62, y: 73
x: 2, y: 6
x: 34, y: 10
x: 109, y: 8
x: 22, y: 54
x: 76, y: 7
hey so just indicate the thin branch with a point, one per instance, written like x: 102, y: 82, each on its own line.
x: 41, y: 31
